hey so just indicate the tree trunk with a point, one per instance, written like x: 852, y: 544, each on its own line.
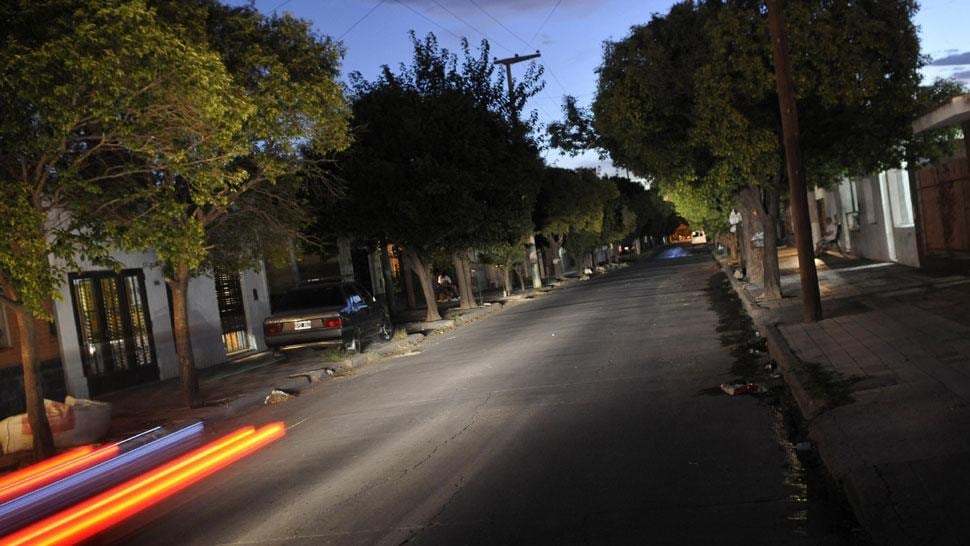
x: 555, y: 244
x: 772, y: 271
x: 408, y: 281
x: 541, y: 255
x: 389, y: 293
x: 752, y: 218
x: 521, y: 279
x: 507, y: 276
x: 533, y: 260
x: 423, y: 273
x: 463, y: 274
x: 33, y: 387
x: 188, y: 379
x: 472, y: 280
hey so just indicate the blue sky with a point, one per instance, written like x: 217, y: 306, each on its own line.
x: 569, y: 33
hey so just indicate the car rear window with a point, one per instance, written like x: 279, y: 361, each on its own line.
x: 306, y: 298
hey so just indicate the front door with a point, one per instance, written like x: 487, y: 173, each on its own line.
x: 232, y: 313
x: 114, y: 329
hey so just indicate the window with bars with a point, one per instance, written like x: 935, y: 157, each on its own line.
x: 232, y: 312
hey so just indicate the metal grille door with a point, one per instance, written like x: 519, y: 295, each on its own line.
x: 114, y: 330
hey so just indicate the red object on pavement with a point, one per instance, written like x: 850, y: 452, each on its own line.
x: 740, y: 388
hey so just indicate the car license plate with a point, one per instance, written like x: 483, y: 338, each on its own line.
x: 302, y: 325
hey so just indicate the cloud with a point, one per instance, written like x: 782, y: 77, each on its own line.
x: 955, y: 59
x: 962, y: 75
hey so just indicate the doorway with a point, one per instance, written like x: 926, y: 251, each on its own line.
x: 232, y: 313
x: 114, y: 329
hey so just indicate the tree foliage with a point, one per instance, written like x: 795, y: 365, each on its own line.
x: 94, y: 95
x: 689, y: 100
x: 234, y: 195
x: 438, y: 165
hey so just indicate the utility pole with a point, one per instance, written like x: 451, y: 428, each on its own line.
x: 508, y: 62
x: 811, y: 301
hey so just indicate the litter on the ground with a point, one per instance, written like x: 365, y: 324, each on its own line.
x: 740, y: 388
x: 277, y: 396
x: 76, y: 421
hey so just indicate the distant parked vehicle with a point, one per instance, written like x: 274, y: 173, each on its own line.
x: 698, y: 238
x: 339, y: 314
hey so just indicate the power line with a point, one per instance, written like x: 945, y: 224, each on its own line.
x: 556, y: 78
x: 428, y: 19
x: 281, y: 4
x: 507, y: 29
x: 544, y: 21
x: 359, y: 21
x: 527, y: 44
x: 471, y: 26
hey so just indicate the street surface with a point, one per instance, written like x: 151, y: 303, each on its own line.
x: 587, y: 416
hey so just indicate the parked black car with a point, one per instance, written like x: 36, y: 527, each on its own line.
x: 339, y: 314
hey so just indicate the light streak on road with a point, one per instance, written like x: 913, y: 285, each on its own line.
x: 98, y: 513
x: 53, y: 469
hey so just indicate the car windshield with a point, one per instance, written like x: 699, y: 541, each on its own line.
x: 309, y: 297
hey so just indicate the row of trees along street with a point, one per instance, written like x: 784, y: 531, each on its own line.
x: 442, y: 163
x: 213, y: 136
x: 689, y: 101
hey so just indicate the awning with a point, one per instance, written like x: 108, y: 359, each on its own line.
x: 954, y: 112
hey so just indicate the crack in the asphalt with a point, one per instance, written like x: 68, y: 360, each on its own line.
x: 455, y: 435
x: 415, y: 531
x: 403, y: 472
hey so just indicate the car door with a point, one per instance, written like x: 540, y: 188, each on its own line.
x: 375, y: 314
x: 355, y: 309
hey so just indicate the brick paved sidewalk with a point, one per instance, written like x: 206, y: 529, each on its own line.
x: 885, y: 381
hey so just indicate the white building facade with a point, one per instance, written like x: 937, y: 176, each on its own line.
x: 115, y: 327
x: 875, y: 213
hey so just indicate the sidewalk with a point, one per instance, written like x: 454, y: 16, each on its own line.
x: 884, y: 381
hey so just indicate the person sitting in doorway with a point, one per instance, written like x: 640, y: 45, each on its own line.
x: 830, y: 238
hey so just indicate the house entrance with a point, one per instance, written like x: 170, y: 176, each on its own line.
x: 114, y: 329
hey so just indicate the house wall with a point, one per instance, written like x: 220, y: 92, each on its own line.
x: 869, y: 241
x: 12, y: 400
x: 204, y: 322
x: 47, y: 346
x: 885, y: 231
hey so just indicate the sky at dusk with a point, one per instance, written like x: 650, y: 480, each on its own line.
x: 569, y: 34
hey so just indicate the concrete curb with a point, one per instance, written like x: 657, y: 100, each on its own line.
x: 778, y: 349
x: 789, y: 364
x: 852, y: 484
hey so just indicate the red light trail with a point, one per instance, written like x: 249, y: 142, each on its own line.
x: 100, y: 512
x: 53, y: 469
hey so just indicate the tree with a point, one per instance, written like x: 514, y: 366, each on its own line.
x: 572, y: 210
x: 654, y: 215
x: 437, y: 165
x: 505, y: 254
x: 568, y: 202
x: 94, y: 94
x: 689, y: 98
x: 228, y: 217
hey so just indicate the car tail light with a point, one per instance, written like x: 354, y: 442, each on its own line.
x: 334, y: 323
x: 272, y: 329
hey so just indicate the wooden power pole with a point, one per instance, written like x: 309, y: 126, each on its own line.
x: 508, y: 62
x: 811, y: 300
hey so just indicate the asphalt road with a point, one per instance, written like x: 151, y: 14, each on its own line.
x: 585, y: 416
